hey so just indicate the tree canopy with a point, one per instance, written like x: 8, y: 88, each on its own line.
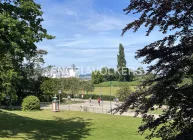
x: 87, y: 86
x: 121, y: 63
x: 20, y: 30
x: 172, y: 57
x: 123, y: 92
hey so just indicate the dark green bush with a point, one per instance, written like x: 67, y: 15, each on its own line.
x: 31, y: 103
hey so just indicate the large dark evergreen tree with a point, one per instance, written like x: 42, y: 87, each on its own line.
x: 173, y: 64
x: 121, y: 63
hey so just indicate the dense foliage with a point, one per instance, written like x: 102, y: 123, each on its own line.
x: 122, y: 73
x: 20, y: 30
x: 123, y: 92
x: 50, y: 86
x: 172, y: 62
x: 110, y: 74
x: 87, y: 86
x: 97, y: 77
x: 72, y: 86
x: 121, y: 64
x: 30, y: 103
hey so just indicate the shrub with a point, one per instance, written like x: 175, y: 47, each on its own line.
x: 123, y: 93
x: 31, y: 103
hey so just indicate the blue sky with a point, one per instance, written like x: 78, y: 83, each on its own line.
x: 88, y: 33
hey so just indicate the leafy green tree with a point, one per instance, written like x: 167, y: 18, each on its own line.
x: 73, y: 85
x: 104, y: 72
x: 123, y: 93
x: 140, y: 71
x: 88, y: 86
x: 109, y: 74
x: 97, y: 77
x: 171, y: 57
x: 8, y: 78
x: 128, y: 74
x: 50, y: 86
x: 121, y: 63
x: 20, y: 30
x: 140, y: 74
x: 31, y: 72
x: 63, y: 84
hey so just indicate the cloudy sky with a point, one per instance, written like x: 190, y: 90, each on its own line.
x: 88, y: 33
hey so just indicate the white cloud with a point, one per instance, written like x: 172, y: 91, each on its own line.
x: 71, y: 43
x: 85, y: 35
x: 105, y: 23
x: 69, y: 12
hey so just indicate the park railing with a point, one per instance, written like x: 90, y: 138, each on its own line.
x: 85, y: 109
x: 77, y: 108
x: 91, y: 110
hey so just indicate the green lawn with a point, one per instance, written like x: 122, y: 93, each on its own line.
x: 44, y: 125
x: 66, y: 102
x: 104, y: 87
x: 118, y: 84
x: 106, y: 90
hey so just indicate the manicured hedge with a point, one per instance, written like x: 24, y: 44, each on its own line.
x: 31, y: 103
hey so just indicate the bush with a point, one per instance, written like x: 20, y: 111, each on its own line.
x: 31, y: 103
x: 123, y: 93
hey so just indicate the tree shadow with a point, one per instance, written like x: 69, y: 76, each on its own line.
x: 15, y: 126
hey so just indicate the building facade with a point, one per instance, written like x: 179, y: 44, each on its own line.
x: 60, y: 72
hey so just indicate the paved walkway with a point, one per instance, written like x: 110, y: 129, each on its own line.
x: 94, y: 107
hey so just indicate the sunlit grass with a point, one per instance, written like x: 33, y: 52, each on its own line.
x: 106, y: 90
x: 67, y: 125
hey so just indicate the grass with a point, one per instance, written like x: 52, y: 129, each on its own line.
x: 44, y: 125
x: 117, y: 84
x: 105, y: 87
x: 66, y: 102
x: 106, y: 90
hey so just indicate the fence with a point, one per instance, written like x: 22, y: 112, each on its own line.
x: 85, y: 109
x: 46, y: 105
x: 89, y: 109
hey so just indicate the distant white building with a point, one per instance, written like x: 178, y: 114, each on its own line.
x: 58, y: 72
